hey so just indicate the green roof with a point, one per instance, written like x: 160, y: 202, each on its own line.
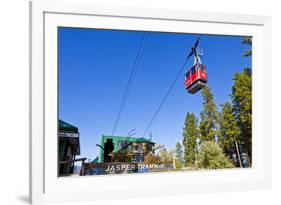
x: 130, y: 139
x: 143, y: 140
x: 64, y: 126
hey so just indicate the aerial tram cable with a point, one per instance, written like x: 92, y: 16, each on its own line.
x: 192, y: 52
x: 166, y: 96
x: 131, y: 79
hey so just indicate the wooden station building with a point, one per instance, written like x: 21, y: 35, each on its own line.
x: 69, y: 148
x: 137, y: 148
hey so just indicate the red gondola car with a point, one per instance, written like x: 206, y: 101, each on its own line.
x: 196, y: 78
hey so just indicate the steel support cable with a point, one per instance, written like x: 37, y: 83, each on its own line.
x: 131, y: 79
x: 166, y: 96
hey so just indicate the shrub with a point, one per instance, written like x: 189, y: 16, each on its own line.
x: 211, y: 157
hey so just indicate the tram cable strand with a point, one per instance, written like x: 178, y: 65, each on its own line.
x: 166, y: 95
x: 131, y: 79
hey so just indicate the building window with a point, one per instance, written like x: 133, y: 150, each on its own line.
x: 136, y: 148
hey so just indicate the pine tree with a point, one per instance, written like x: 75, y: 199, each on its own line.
x: 209, y: 116
x: 247, y: 41
x: 190, y: 135
x: 242, y: 106
x: 179, y: 155
x: 229, y: 132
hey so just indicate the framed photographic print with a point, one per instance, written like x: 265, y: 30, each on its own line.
x: 129, y: 102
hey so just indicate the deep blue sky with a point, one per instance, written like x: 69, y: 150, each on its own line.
x: 94, y: 68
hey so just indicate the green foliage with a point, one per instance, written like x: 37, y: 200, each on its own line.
x: 242, y: 106
x: 209, y: 116
x: 247, y: 41
x: 121, y: 156
x: 247, y: 53
x: 166, y: 156
x: 179, y: 155
x: 151, y: 158
x: 178, y: 164
x: 190, y: 135
x: 211, y: 157
x: 229, y: 130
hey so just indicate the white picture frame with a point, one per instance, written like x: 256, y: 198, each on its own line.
x: 46, y: 187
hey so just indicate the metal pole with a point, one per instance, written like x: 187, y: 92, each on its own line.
x: 238, y: 153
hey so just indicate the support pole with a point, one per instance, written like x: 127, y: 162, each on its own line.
x: 238, y: 153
